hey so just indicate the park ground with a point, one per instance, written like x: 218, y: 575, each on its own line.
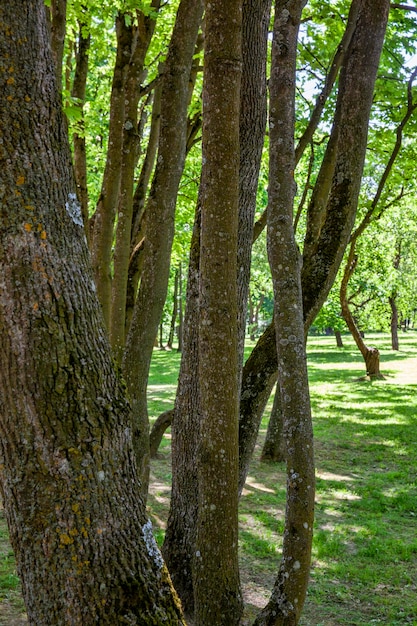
x: 365, y: 545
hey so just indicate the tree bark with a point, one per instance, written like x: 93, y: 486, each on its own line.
x: 322, y: 256
x: 274, y: 445
x: 290, y: 588
x: 160, y: 215
x: 80, y: 155
x: 216, y: 583
x: 339, y: 340
x: 68, y: 470
x: 394, y: 323
x: 141, y: 38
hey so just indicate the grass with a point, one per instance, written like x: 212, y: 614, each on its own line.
x: 365, y: 545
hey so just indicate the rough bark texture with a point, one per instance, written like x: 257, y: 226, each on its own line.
x: 217, y: 594
x: 160, y: 215
x: 287, y: 599
x: 78, y: 526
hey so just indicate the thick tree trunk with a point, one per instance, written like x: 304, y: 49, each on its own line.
x: 216, y: 584
x: 160, y: 215
x: 287, y: 599
x: 339, y: 340
x: 78, y: 526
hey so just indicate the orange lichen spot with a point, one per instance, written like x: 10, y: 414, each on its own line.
x: 99, y: 531
x: 87, y: 521
x: 84, y: 532
x: 20, y: 181
x: 27, y: 98
x: 9, y: 98
x: 27, y: 227
x: 76, y: 507
x: 36, y: 306
x: 65, y: 539
x: 29, y: 207
x: 74, y: 558
x: 11, y: 69
x: 10, y: 80
x: 73, y: 532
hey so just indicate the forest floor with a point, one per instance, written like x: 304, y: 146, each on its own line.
x: 365, y: 543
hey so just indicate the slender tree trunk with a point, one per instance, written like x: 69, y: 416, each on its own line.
x: 322, y: 256
x: 80, y: 154
x: 141, y: 38
x: 106, y: 206
x: 217, y: 594
x: 370, y: 354
x: 58, y: 31
x: 394, y: 323
x: 160, y: 215
x: 174, y: 314
x: 78, y: 526
x: 180, y: 311
x: 274, y: 446
x: 287, y: 599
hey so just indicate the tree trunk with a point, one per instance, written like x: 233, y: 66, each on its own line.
x: 274, y: 446
x: 174, y: 314
x: 58, y: 31
x: 160, y: 215
x: 339, y: 340
x: 84, y: 547
x: 370, y: 354
x: 80, y: 155
x: 180, y: 327
x: 394, y: 323
x: 290, y: 588
x: 141, y: 38
x: 322, y: 256
x: 216, y: 584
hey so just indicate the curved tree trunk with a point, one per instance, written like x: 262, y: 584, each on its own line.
x: 78, y: 526
x: 274, y: 445
x: 370, y: 354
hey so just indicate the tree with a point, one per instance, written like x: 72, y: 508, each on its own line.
x: 68, y: 471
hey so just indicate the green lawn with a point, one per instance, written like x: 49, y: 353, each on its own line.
x: 365, y: 547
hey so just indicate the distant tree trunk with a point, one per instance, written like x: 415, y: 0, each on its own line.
x: 290, y: 588
x: 84, y: 547
x: 370, y: 354
x: 180, y: 311
x: 394, y: 323
x: 274, y: 446
x: 58, y: 31
x: 174, y: 314
x: 339, y: 340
